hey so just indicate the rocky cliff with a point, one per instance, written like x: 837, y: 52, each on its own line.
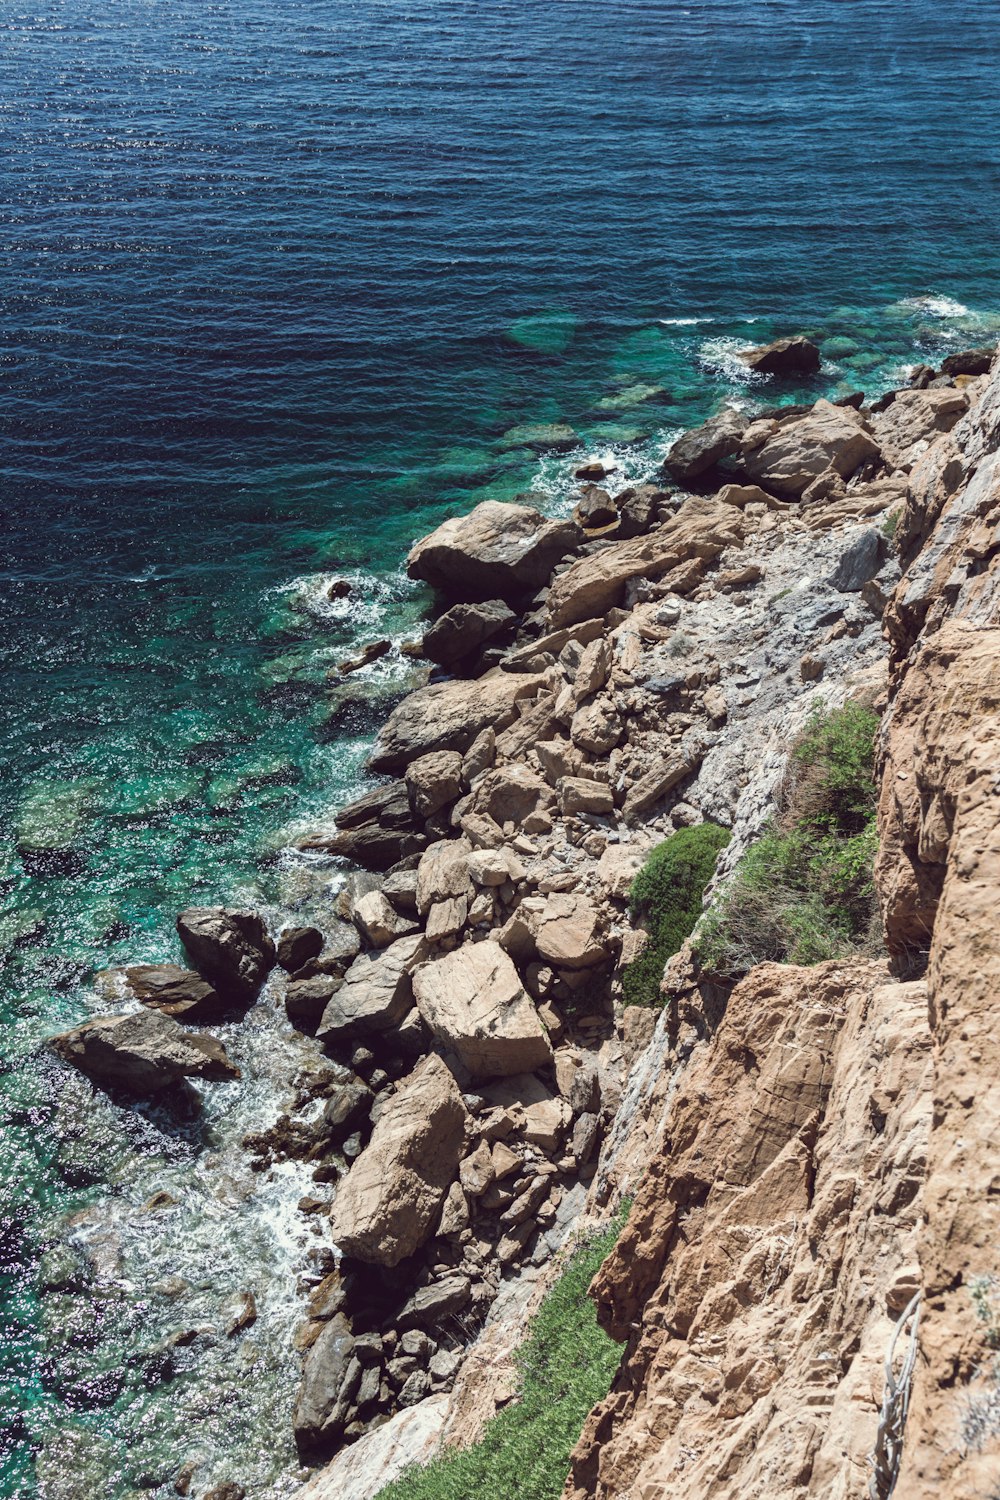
x: 811, y: 1150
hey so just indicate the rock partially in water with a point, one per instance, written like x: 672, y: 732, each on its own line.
x: 142, y: 1053
x: 173, y: 991
x: 297, y: 945
x: 330, y: 1377
x: 794, y: 356
x: 464, y: 628
x: 230, y: 948
x: 699, y: 450
x: 497, y: 550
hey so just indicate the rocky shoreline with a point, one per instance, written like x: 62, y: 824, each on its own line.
x: 482, y: 1090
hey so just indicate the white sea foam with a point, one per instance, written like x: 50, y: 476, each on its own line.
x: 683, y: 322
x: 936, y: 307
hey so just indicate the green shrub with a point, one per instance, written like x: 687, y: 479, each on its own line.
x: 804, y: 891
x: 566, y: 1366
x: 667, y: 893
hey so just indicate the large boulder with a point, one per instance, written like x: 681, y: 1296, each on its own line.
x: 792, y: 454
x: 699, y: 450
x: 794, y: 356
x: 497, y: 550
x: 570, y: 934
x: 142, y: 1053
x: 391, y: 1199
x: 701, y: 529
x: 330, y: 1378
x: 176, y: 992
x: 448, y: 716
x: 474, y: 1003
x: 464, y: 629
x: 376, y: 993
x: 231, y: 948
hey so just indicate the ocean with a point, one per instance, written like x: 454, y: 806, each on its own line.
x: 284, y: 285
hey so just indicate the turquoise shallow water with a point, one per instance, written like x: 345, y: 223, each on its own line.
x: 282, y: 286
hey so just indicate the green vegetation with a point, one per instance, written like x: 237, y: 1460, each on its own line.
x: 566, y: 1366
x: 890, y: 524
x: 804, y: 891
x: 667, y: 893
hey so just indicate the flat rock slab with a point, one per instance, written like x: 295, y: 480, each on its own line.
x: 796, y: 453
x: 176, y: 992
x: 448, y: 716
x: 391, y: 1199
x: 376, y: 994
x: 474, y: 1003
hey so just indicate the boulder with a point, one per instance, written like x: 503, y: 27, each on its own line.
x: 448, y: 716
x: 297, y: 945
x: 969, y: 362
x: 391, y: 1200
x: 474, y: 1003
x: 497, y: 549
x: 307, y: 999
x: 330, y: 1377
x: 699, y: 450
x: 569, y: 933
x: 794, y: 454
x: 174, y: 991
x: 376, y: 993
x: 595, y: 509
x: 377, y: 830
x: 433, y: 781
x: 230, y: 948
x: 577, y: 794
x: 794, y: 356
x: 591, y: 586
x: 464, y: 629
x: 142, y: 1053
x: 443, y: 873
x: 378, y: 921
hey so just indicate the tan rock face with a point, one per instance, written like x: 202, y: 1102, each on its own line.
x: 830, y: 437
x: 474, y: 1003
x: 391, y: 1200
x: 448, y: 716
x: 569, y: 933
x: 751, y: 1282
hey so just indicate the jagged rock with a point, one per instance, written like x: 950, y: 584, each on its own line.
x: 443, y: 873
x: 511, y: 793
x: 382, y: 1454
x: 433, y: 781
x: 858, y: 563
x: 428, y: 1306
x: 330, y: 1377
x: 464, y: 629
x: 231, y: 948
x: 593, y: 471
x: 176, y: 992
x: 569, y: 933
x: 379, y: 922
x: 374, y: 651
x: 476, y: 1173
x: 906, y: 428
x: 377, y: 830
x: 448, y: 716
x: 455, y: 1214
x: 654, y: 786
x: 695, y: 452
x: 474, y: 1003
x: 492, y: 867
x: 297, y: 945
x: 596, y: 727
x: 401, y: 889
x: 391, y: 1199
x: 142, y: 1053
x: 376, y: 994
x: 591, y: 586
x: 792, y: 455
x: 349, y: 1104
x: 497, y: 549
x: 794, y: 356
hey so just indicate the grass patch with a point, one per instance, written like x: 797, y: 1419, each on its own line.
x: 566, y: 1367
x: 667, y: 893
x: 804, y: 892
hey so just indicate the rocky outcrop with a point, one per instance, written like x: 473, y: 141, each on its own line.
x: 794, y: 356
x: 785, y: 458
x: 448, y: 716
x: 143, y: 1053
x: 392, y: 1198
x: 230, y: 948
x: 496, y: 550
x: 695, y: 453
x: 176, y: 992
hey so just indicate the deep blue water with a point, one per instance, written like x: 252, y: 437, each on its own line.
x: 275, y: 282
